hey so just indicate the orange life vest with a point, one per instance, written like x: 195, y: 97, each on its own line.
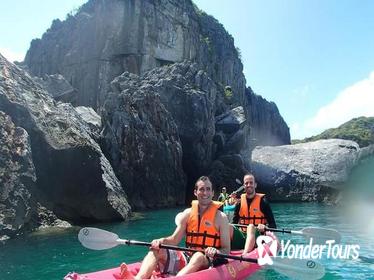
x: 202, y: 233
x: 252, y: 214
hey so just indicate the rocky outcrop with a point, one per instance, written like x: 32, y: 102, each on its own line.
x: 367, y: 151
x: 141, y: 139
x: 232, y: 131
x: 267, y: 125
x: 189, y: 95
x: 307, y: 172
x: 74, y: 179
x: 107, y: 37
x: 58, y: 88
x: 19, y: 210
x: 92, y: 119
x: 154, y: 39
x: 17, y: 177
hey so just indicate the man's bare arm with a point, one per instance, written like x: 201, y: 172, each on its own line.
x: 224, y: 229
x: 179, y: 232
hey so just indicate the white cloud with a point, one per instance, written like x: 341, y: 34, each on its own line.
x: 12, y: 56
x: 354, y: 101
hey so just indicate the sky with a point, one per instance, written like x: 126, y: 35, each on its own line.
x: 313, y: 58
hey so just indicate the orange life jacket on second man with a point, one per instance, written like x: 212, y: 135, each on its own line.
x: 252, y: 214
x: 202, y: 233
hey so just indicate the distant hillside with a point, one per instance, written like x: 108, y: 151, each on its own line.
x: 360, y: 130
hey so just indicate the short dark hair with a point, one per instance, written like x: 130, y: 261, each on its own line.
x: 203, y: 179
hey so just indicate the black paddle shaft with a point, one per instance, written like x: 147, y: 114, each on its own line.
x: 278, y: 230
x: 268, y: 229
x: 171, y: 247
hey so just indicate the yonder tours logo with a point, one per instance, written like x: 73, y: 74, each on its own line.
x: 267, y: 247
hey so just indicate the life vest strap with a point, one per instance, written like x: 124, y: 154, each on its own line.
x: 195, y: 245
x: 251, y: 218
x: 197, y: 234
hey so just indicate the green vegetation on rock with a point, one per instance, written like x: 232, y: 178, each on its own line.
x: 360, y: 130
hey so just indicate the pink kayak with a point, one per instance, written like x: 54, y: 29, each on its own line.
x: 234, y: 269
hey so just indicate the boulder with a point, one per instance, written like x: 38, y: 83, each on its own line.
x: 17, y: 178
x: 310, y: 171
x: 74, y: 179
x: 231, y: 121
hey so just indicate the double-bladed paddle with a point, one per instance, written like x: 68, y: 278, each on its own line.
x: 98, y: 239
x: 319, y: 235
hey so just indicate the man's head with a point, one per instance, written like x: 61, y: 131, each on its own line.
x: 223, y: 189
x: 204, y: 190
x: 249, y: 184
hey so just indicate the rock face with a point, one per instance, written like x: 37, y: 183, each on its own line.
x: 267, y: 126
x: 307, y: 171
x: 107, y: 37
x: 142, y: 140
x: 74, y: 179
x: 17, y: 177
x: 232, y: 131
x: 58, y: 88
x: 188, y: 96
x: 154, y: 40
x: 92, y: 119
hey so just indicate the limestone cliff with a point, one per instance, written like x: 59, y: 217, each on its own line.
x: 107, y: 37
x: 178, y: 52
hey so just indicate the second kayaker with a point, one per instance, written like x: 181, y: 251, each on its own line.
x: 254, y: 211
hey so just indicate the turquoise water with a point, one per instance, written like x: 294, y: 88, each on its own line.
x: 50, y: 255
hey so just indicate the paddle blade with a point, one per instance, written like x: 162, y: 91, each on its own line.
x: 321, y: 235
x: 298, y: 268
x: 97, y: 239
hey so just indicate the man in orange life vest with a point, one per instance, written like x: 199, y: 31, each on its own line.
x: 204, y: 226
x: 253, y: 210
